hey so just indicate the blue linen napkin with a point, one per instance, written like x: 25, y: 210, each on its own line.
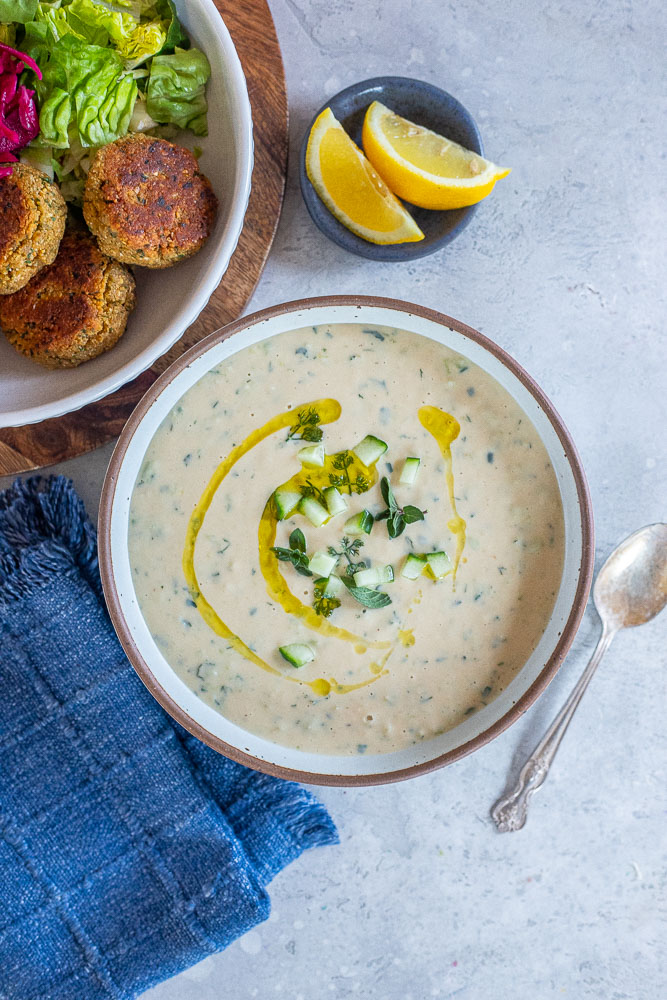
x: 128, y: 849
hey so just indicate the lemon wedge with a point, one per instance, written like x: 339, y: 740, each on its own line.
x: 423, y: 167
x: 351, y: 189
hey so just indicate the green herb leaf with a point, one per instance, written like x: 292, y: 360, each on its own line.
x: 397, y: 517
x: 313, y: 434
x: 343, y: 460
x: 364, y: 595
x: 396, y: 525
x: 297, y: 540
x: 311, y: 490
x: 388, y: 494
x: 351, y: 552
x: 306, y: 428
x: 298, y: 559
x: 295, y: 554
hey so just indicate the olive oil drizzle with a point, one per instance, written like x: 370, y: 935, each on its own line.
x: 445, y: 429
x: 329, y: 410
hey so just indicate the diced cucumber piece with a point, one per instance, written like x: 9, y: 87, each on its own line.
x: 413, y: 567
x: 334, y: 587
x: 359, y: 524
x: 322, y: 563
x: 286, y: 503
x: 314, y: 511
x: 312, y: 455
x: 409, y: 472
x: 335, y: 501
x: 439, y: 564
x: 297, y: 653
x: 374, y: 577
x: 369, y: 450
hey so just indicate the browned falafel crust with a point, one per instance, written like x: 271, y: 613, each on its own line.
x: 147, y: 203
x: 72, y: 310
x: 33, y: 215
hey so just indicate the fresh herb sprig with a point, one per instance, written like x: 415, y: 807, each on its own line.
x: 342, y: 462
x: 324, y: 606
x: 365, y: 595
x: 307, y: 426
x: 296, y: 553
x: 396, y: 517
x: 350, y: 550
x: 311, y: 490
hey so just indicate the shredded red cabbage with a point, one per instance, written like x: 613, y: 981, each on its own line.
x: 19, y: 121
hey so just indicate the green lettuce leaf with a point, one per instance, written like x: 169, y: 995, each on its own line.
x: 164, y: 10
x: 21, y: 11
x: 61, y: 21
x: 176, y: 37
x: 84, y: 87
x: 54, y: 119
x: 135, y: 40
x: 176, y: 90
x: 36, y: 42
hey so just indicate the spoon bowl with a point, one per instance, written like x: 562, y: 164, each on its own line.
x: 631, y: 587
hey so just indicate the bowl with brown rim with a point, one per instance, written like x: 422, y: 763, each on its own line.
x: 228, y: 738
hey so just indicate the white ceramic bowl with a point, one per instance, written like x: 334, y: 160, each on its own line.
x: 205, y: 722
x: 167, y: 301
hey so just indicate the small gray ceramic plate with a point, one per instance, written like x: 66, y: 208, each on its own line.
x: 423, y: 104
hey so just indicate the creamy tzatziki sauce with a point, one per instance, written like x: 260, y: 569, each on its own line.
x: 204, y: 523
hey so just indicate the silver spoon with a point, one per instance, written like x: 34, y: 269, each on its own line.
x: 630, y: 589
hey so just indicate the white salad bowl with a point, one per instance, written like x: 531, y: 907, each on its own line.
x: 226, y: 737
x: 167, y: 301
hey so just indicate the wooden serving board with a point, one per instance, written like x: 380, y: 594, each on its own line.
x: 251, y: 27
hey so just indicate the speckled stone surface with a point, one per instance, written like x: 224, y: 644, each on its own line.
x: 564, y: 266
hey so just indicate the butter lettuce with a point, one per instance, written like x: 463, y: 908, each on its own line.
x: 84, y: 86
x: 21, y: 11
x: 164, y: 10
x: 135, y: 40
x: 64, y: 21
x: 176, y: 37
x: 52, y: 22
x: 54, y: 119
x: 176, y: 90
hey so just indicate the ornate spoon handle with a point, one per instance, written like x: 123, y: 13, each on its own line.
x: 510, y: 812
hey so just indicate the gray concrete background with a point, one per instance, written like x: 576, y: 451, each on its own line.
x: 564, y: 266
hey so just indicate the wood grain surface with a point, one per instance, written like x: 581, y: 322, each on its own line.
x: 251, y: 27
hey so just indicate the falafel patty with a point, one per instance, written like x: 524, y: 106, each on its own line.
x: 72, y: 310
x: 33, y: 213
x: 147, y: 203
